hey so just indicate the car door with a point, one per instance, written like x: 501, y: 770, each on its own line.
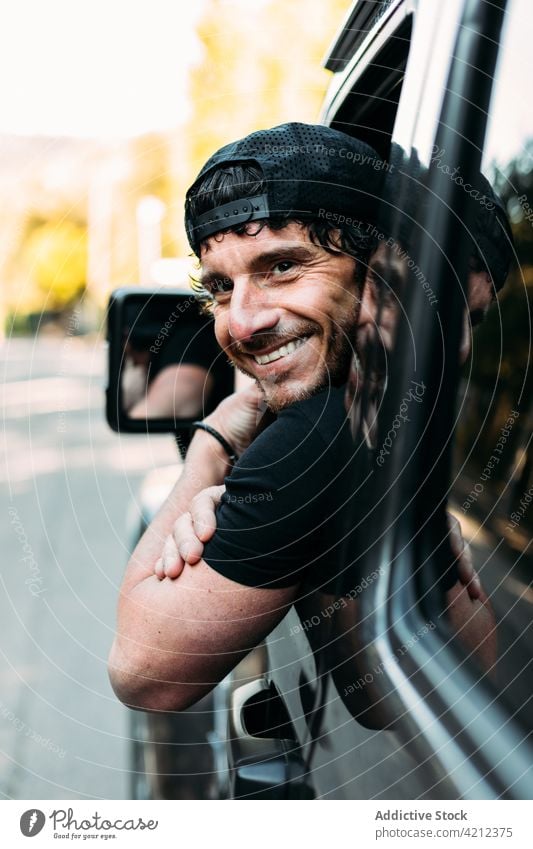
x: 345, y: 757
x: 384, y: 696
x: 455, y: 713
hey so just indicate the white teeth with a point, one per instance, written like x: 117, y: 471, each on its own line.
x: 280, y: 352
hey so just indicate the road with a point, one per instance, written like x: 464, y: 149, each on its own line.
x: 68, y: 484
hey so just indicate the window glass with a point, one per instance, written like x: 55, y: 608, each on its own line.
x: 493, y: 487
x: 492, y: 469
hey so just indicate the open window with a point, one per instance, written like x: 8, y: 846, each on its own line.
x: 369, y: 58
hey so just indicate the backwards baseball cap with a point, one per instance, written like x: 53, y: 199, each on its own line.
x: 494, y: 243
x: 309, y: 172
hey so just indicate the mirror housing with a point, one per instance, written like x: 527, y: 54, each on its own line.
x: 165, y: 368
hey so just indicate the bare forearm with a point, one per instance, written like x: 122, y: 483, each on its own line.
x: 176, y: 638
x: 206, y: 465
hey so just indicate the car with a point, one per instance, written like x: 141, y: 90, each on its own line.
x: 370, y: 688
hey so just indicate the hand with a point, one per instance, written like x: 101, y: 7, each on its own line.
x: 465, y: 567
x: 469, y: 612
x: 190, y: 532
x: 238, y: 417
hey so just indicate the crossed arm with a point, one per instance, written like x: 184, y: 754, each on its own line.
x: 176, y: 640
x: 467, y: 608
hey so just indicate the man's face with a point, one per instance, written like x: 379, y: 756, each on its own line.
x: 378, y: 319
x: 388, y: 270
x: 285, y: 309
x: 480, y: 297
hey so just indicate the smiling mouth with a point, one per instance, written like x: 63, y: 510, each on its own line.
x: 279, y: 353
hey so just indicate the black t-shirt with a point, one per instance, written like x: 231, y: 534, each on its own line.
x: 189, y: 344
x: 193, y: 342
x: 285, y: 508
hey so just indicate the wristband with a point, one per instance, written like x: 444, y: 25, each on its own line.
x: 218, y: 436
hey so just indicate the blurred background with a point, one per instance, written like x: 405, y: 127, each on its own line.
x: 108, y: 112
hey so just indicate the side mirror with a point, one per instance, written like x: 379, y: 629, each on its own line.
x: 165, y: 366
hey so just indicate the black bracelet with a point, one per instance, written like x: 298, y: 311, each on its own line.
x: 218, y: 436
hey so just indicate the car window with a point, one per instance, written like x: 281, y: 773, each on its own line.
x: 356, y: 673
x: 493, y: 482
x: 364, y: 100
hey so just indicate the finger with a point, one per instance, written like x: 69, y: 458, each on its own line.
x: 204, y: 526
x: 474, y: 587
x: 467, y: 574
x: 188, y: 546
x: 463, y: 554
x: 159, y: 570
x: 172, y: 563
x: 465, y: 565
x: 175, y: 569
x: 170, y: 553
x: 203, y: 512
x: 456, y: 537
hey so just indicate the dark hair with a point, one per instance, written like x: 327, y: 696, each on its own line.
x: 236, y: 182
x: 493, y: 238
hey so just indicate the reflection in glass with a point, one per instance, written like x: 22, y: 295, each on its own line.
x: 170, y: 361
x: 396, y: 269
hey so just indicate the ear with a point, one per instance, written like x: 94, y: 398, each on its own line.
x: 481, y: 291
x: 466, y: 338
x: 480, y: 296
x: 368, y: 312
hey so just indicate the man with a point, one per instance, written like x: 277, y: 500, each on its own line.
x: 278, y: 221
x: 387, y: 271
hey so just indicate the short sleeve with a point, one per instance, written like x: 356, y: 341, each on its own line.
x: 279, y: 514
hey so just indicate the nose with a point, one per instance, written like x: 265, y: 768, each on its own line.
x: 251, y: 310
x: 466, y: 339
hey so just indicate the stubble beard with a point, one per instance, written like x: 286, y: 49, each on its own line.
x: 333, y: 372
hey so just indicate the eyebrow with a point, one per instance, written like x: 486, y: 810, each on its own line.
x: 384, y: 274
x: 296, y: 253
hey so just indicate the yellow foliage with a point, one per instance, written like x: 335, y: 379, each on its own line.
x: 261, y: 66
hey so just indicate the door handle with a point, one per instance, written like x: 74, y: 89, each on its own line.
x: 264, y: 758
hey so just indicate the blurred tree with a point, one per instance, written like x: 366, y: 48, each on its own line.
x: 146, y: 172
x: 55, y: 255
x: 261, y: 66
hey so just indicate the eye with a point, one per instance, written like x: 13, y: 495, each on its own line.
x: 283, y: 266
x: 219, y: 286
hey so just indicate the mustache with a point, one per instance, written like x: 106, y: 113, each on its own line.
x: 265, y: 339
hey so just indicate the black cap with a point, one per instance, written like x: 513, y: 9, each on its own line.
x: 493, y: 237
x: 311, y: 172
